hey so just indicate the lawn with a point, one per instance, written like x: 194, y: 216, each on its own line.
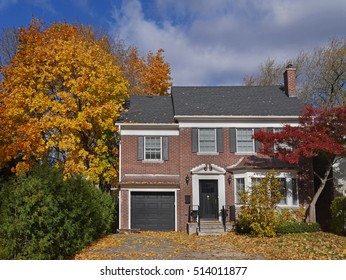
x: 179, y: 245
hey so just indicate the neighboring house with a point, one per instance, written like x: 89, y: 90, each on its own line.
x: 339, y: 174
x: 185, y: 157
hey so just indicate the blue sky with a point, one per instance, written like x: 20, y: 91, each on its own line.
x: 206, y: 42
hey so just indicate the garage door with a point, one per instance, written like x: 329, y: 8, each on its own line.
x: 153, y: 211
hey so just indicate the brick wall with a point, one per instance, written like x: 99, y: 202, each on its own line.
x: 124, y: 209
x: 189, y: 160
x: 130, y: 164
x: 181, y: 161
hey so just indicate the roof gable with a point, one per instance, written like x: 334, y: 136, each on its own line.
x: 148, y: 109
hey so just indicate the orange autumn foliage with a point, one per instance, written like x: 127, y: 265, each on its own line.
x: 60, y: 97
x: 148, y: 75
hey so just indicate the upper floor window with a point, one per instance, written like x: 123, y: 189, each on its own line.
x: 283, y: 145
x: 207, y: 140
x: 152, y: 148
x: 241, y: 140
x: 245, y: 143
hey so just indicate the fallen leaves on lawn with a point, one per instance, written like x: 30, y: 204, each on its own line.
x: 179, y: 245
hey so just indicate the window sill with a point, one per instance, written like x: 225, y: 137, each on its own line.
x: 153, y: 161
x: 245, y: 153
x: 207, y: 153
x: 292, y: 206
x: 281, y: 206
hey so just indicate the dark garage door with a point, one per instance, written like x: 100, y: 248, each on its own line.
x: 153, y: 211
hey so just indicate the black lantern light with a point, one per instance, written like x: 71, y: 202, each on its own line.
x: 229, y: 179
x: 187, y: 179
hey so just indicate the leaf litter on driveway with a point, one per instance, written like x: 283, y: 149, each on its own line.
x: 180, y: 246
x: 160, y: 245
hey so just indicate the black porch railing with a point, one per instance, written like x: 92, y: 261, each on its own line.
x: 194, y: 215
x: 224, y: 214
x: 228, y: 214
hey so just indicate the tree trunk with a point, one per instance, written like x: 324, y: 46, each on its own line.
x: 311, y: 214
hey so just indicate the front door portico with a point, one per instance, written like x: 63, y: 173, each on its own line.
x: 208, y: 190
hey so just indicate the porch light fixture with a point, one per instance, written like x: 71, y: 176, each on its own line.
x: 229, y: 179
x: 187, y: 179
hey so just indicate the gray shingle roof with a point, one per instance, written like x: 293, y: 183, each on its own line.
x: 148, y: 109
x: 234, y: 101
x: 211, y: 101
x: 260, y: 162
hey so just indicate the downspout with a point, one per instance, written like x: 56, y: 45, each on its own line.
x: 119, y: 179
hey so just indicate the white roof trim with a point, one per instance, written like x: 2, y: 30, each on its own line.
x: 227, y: 117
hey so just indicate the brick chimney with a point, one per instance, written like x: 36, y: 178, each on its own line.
x: 290, y: 81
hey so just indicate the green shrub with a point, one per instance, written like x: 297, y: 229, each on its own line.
x: 242, y: 225
x: 44, y: 217
x: 338, y: 209
x: 297, y: 227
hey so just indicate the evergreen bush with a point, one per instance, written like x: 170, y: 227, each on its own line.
x: 297, y: 227
x: 338, y: 209
x: 43, y: 216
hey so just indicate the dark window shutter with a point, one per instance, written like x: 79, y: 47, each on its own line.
x: 165, y: 148
x: 233, y: 140
x: 257, y: 144
x: 270, y: 129
x: 140, y: 148
x: 219, y: 139
x: 194, y: 140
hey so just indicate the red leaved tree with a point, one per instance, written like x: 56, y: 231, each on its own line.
x: 320, y: 132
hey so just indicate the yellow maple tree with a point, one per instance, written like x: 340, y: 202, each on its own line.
x: 60, y: 97
x: 147, y: 75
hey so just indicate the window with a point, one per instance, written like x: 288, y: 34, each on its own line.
x: 284, y: 146
x: 239, y: 188
x: 288, y: 182
x: 207, y: 140
x: 245, y: 143
x: 288, y: 189
x: 294, y: 191
x: 283, y: 191
x: 152, y: 147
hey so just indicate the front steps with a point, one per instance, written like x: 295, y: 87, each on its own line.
x: 209, y: 228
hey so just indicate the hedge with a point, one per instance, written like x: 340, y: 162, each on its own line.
x: 295, y: 227
x: 338, y: 209
x: 42, y: 216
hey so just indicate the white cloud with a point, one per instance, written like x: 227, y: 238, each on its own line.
x: 221, y: 41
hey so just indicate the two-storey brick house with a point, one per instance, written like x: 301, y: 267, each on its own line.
x: 193, y: 150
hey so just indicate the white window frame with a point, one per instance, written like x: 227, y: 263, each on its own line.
x: 237, y: 141
x: 289, y: 176
x: 236, y: 189
x: 199, y: 141
x: 145, y: 149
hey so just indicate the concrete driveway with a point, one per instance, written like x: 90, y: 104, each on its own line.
x: 162, y: 246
